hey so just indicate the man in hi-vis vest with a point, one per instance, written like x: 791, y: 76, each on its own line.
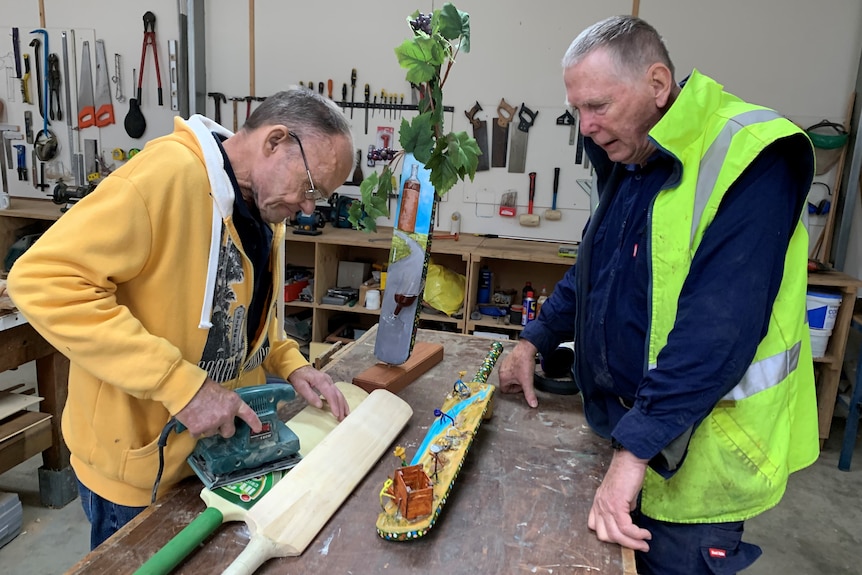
x: 686, y: 304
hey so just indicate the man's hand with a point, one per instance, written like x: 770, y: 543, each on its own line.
x: 616, y: 497
x: 311, y: 384
x: 212, y: 411
x: 517, y: 370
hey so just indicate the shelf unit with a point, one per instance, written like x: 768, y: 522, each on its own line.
x: 513, y: 262
x: 324, y: 251
x: 827, y: 369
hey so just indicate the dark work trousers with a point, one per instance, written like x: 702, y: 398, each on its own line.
x: 694, y: 549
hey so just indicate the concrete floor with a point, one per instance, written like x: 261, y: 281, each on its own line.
x: 815, y: 530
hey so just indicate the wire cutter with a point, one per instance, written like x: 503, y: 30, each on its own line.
x: 149, y: 40
x: 54, y: 87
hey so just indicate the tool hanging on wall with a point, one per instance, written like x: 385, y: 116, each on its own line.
x: 518, y: 153
x: 54, y: 110
x: 22, y: 162
x: 530, y: 219
x: 67, y: 89
x: 135, y: 123
x: 218, y: 100
x: 352, y: 90
x: 46, y: 144
x: 118, y: 79
x: 566, y: 119
x: 28, y: 126
x: 86, y: 101
x: 480, y: 134
x: 174, y: 74
x: 500, y: 134
x: 16, y: 50
x: 104, y: 107
x: 25, y: 81
x: 554, y: 214
x: 150, y: 40
x: 36, y: 44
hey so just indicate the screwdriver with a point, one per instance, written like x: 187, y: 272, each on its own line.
x: 374, y: 107
x: 344, y: 96
x: 320, y: 88
x: 329, y: 88
x: 352, y: 91
x: 367, y: 102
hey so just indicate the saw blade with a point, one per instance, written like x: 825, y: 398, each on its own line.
x: 518, y: 153
x: 104, y: 107
x: 86, y: 104
x: 480, y: 134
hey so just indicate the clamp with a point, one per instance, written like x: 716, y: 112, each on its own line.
x: 149, y: 40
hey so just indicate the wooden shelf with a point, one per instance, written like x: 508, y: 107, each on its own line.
x: 827, y: 369
x: 514, y: 261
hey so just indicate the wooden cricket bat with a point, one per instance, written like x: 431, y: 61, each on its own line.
x: 311, y: 425
x: 290, y: 515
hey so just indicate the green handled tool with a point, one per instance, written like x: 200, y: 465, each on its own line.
x: 233, y: 502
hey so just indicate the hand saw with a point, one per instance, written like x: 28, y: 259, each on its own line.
x: 480, y: 134
x: 518, y: 153
x: 500, y: 134
x: 103, y: 106
x: 86, y: 104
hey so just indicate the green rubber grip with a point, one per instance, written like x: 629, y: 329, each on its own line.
x: 182, y: 544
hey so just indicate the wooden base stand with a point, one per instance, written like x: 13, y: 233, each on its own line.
x: 394, y: 378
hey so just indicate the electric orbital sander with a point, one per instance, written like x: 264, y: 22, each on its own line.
x: 218, y: 461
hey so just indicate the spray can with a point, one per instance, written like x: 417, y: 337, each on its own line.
x: 529, y: 313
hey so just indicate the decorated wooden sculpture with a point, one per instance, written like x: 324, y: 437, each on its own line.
x: 413, y: 497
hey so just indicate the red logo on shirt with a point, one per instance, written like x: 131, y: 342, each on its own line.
x: 721, y: 553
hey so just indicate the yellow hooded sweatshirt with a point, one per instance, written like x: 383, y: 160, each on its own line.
x: 144, y: 286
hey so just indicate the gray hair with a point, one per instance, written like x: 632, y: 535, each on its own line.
x: 633, y: 45
x: 304, y: 112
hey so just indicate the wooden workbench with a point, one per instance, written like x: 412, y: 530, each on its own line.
x: 20, y: 344
x: 520, y: 504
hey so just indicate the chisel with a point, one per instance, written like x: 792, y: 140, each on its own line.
x: 352, y: 91
x: 367, y: 102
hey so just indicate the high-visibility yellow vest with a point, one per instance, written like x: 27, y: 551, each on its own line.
x: 740, y: 456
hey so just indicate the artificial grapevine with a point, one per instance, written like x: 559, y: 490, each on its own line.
x: 428, y: 57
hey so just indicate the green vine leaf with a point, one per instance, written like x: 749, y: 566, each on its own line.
x: 464, y: 153
x: 422, y: 56
x: 452, y: 24
x: 417, y: 137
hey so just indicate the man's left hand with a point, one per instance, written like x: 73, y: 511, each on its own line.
x: 311, y: 384
x: 616, y: 498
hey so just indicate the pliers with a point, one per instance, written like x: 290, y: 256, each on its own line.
x: 54, y: 87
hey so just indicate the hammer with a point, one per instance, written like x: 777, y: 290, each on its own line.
x: 218, y: 99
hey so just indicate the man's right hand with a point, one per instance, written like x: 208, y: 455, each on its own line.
x: 212, y: 411
x: 517, y: 370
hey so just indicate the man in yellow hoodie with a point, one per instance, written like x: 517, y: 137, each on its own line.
x: 160, y: 287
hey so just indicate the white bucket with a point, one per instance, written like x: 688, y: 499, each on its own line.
x: 822, y: 309
x: 819, y: 341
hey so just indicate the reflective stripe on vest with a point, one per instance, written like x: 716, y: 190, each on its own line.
x: 713, y: 159
x: 766, y: 373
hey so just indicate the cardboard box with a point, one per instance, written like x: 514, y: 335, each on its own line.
x: 352, y: 274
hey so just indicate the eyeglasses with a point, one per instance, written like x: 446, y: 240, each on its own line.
x: 312, y: 193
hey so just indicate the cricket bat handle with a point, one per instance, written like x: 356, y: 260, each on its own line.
x: 182, y: 545
x: 258, y: 551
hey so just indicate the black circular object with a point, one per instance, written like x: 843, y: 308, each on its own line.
x: 555, y: 385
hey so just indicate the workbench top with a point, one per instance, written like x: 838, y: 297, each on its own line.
x: 519, y: 505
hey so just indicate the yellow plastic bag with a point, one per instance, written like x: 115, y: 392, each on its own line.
x: 444, y: 289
